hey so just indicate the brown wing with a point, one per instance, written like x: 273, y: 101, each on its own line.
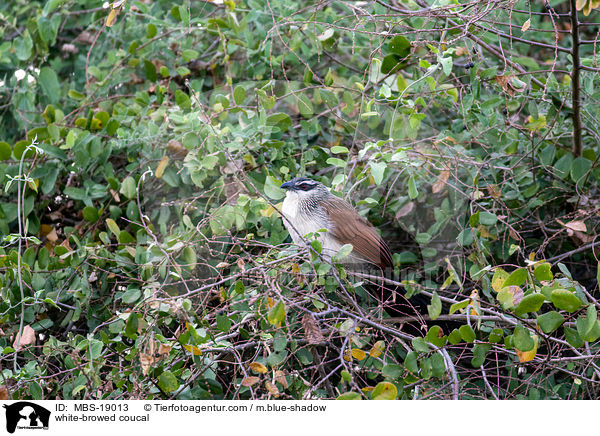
x: 350, y: 228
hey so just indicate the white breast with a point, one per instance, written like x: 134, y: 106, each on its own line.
x: 302, y: 224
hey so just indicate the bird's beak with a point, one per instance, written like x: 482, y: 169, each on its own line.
x: 286, y: 185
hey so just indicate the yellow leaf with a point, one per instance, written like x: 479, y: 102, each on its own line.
x: 377, y: 349
x: 358, y: 354
x: 526, y: 25
x: 160, y: 169
x: 33, y: 184
x: 526, y: 356
x: 193, y: 349
x: 112, y: 17
x: 258, y: 368
x: 499, y: 278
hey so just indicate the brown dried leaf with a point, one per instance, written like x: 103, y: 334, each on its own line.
x: 494, y: 191
x: 526, y: 25
x: 271, y: 388
x: 69, y: 48
x: 441, y: 182
x: 164, y: 349
x: 146, y: 361
x: 517, y: 293
x: 280, y: 378
x: 405, y: 210
x: 27, y: 338
x: 177, y: 149
x: 461, y: 51
x: 3, y: 393
x: 115, y: 195
x: 241, y: 264
x: 312, y: 332
x: 250, y: 381
x: 85, y: 37
x: 578, y: 226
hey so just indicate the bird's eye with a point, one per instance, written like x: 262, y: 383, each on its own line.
x: 304, y: 186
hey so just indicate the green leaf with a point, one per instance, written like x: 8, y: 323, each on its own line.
x: 337, y: 162
x: 410, y: 362
x: 573, y: 337
x: 579, y: 168
x: 95, y: 347
x: 167, y: 382
x: 543, y: 272
x: 150, y: 31
x: 454, y: 337
x: 51, y: 5
x: 128, y: 187
x: 466, y: 333
x: 277, y: 314
x: 183, y: 100
x: 412, y: 188
x: 90, y: 214
x: 479, y: 352
x: 131, y: 295
x: 281, y: 120
x: 49, y: 83
x: 391, y: 63
x: 23, y: 46
x: 131, y: 327
x: 399, y: 45
x: 239, y: 95
x: 343, y: 252
x: 150, y: 71
x: 530, y: 303
x: 272, y: 188
x: 339, y: 149
x: 587, y: 326
x: 113, y: 227
x: 377, y: 171
x: 349, y: 396
x: 305, y: 106
x: 36, y: 390
x: 563, y: 166
x: 435, y: 308
x: 224, y: 323
x: 516, y: 278
x: 550, y: 321
x: 458, y: 306
x: 566, y: 300
x: 522, y: 340
x: 384, y: 391
x: 5, y: 150
x: 48, y: 28
x: 487, y: 219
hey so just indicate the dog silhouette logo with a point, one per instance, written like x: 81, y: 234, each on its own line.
x: 26, y: 415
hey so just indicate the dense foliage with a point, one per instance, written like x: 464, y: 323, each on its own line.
x: 143, y: 145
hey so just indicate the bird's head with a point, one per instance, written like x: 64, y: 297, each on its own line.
x: 307, y: 192
x: 304, y: 188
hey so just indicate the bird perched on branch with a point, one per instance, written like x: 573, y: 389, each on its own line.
x: 309, y: 207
